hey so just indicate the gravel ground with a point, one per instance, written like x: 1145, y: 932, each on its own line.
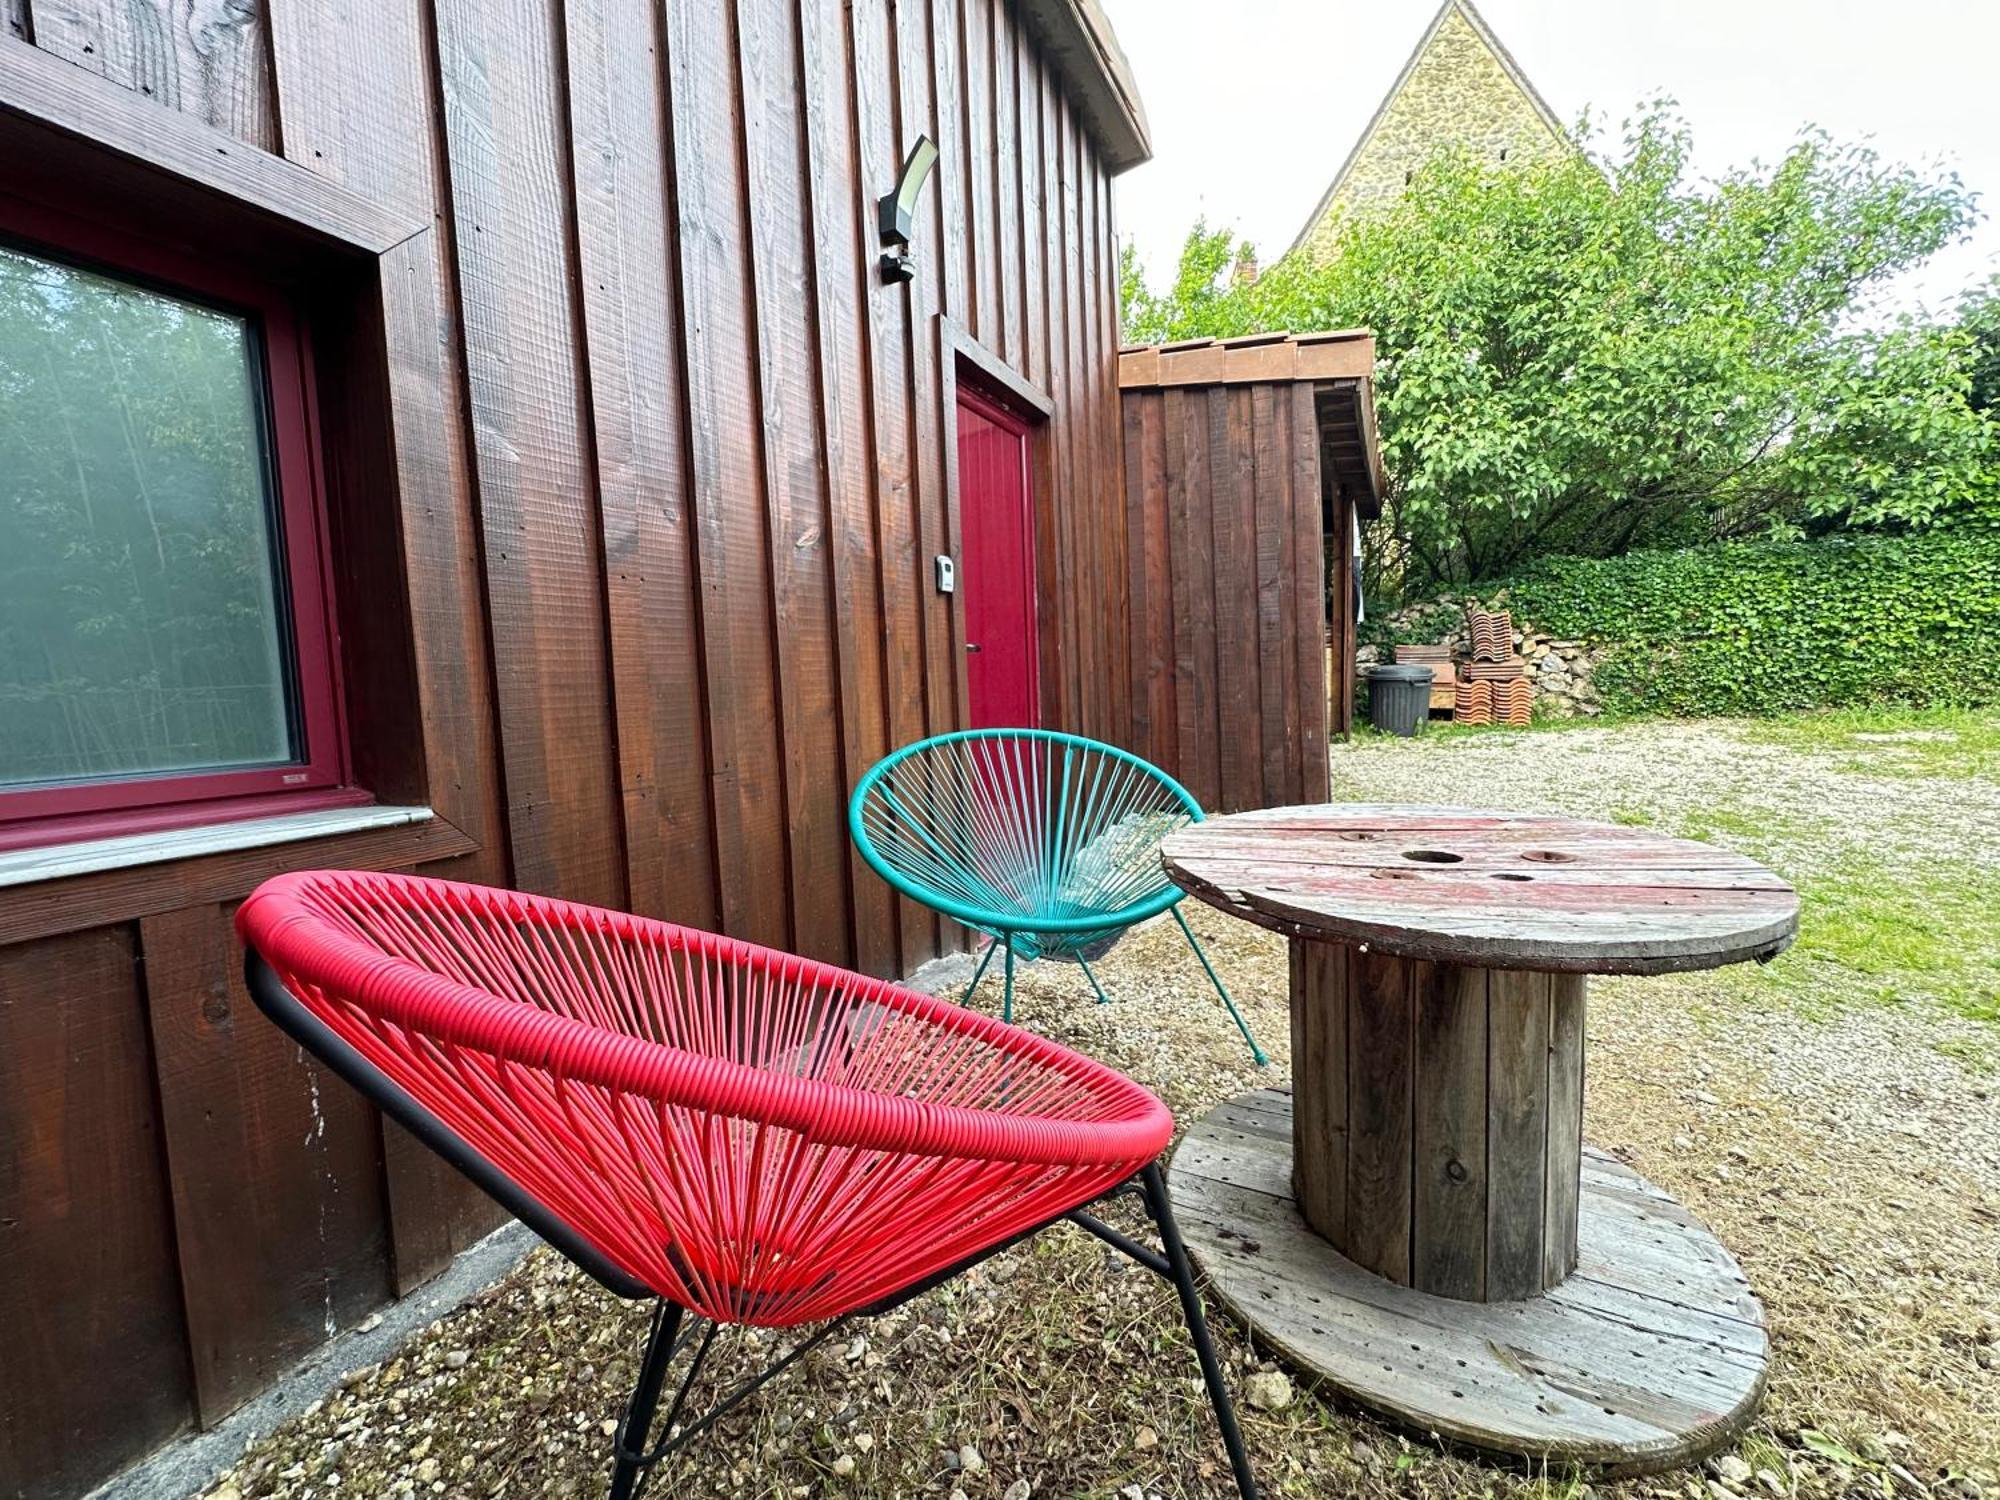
x: 1833, y: 1119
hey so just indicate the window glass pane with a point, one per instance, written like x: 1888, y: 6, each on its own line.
x: 139, y: 622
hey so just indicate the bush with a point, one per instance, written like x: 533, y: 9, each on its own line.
x: 1592, y: 352
x: 1768, y: 627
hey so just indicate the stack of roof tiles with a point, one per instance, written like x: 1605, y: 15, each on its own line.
x: 1496, y: 689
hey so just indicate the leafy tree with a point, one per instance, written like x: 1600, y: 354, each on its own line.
x: 1981, y: 323
x: 1598, y: 352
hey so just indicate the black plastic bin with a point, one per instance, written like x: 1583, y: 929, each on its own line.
x: 1399, y: 699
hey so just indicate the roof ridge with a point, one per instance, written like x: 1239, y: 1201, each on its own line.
x: 1501, y: 55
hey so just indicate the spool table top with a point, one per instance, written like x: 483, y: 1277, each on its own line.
x: 1492, y: 889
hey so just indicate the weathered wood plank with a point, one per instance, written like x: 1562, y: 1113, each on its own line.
x: 211, y: 62
x: 89, y: 1285
x: 1309, y: 595
x: 1319, y: 975
x: 782, y: 281
x: 1592, y: 1373
x: 929, y: 100
x: 1380, y: 1115
x: 509, y: 161
x: 1498, y: 890
x: 732, y: 538
x: 844, y: 283
x: 1008, y: 151
x: 1451, y: 1208
x: 1240, y: 752
x: 1562, y: 1178
x: 633, y: 340
x: 1270, y: 505
x: 1517, y: 1032
x: 973, y: 36
x: 275, y: 1166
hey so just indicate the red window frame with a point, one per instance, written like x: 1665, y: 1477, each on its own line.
x: 69, y: 812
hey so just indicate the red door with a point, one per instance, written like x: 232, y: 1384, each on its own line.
x: 997, y: 564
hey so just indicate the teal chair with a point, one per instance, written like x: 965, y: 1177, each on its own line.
x: 1048, y: 843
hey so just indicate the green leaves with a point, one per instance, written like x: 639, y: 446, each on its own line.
x: 1766, y: 627
x: 1594, y: 353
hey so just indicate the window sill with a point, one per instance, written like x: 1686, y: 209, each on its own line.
x: 25, y: 866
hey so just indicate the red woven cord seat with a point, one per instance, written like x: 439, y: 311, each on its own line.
x: 749, y: 1134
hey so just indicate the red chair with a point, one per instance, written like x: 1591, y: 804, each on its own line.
x: 744, y: 1135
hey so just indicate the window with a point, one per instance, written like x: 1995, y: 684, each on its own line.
x: 165, y: 644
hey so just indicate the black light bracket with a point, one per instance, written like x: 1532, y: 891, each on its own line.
x: 896, y: 211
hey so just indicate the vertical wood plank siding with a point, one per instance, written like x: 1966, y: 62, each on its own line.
x: 1225, y: 595
x: 666, y: 465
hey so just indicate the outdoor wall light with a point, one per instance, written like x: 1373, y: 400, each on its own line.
x: 898, y: 210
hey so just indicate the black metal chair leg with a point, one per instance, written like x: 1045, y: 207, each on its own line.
x: 633, y: 1432
x: 1182, y: 1272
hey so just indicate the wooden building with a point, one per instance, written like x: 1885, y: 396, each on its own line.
x: 476, y: 437
x: 1248, y: 463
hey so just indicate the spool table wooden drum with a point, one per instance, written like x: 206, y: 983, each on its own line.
x: 1417, y: 1222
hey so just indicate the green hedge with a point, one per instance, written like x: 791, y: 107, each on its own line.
x: 1760, y: 628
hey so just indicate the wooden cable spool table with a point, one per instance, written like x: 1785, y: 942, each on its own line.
x: 1418, y: 1222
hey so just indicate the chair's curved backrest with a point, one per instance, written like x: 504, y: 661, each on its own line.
x: 756, y: 1136
x: 1023, y: 831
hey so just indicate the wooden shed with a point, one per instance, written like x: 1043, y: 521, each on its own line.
x: 1248, y: 462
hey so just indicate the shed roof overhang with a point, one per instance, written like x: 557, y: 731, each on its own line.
x: 1077, y: 38
x: 1340, y: 364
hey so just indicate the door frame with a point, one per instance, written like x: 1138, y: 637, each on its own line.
x: 965, y: 361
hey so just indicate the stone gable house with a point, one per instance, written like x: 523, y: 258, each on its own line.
x: 1460, y: 86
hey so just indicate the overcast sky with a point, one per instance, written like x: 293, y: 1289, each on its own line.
x: 1254, y: 103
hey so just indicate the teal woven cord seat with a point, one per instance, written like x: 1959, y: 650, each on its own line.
x: 1048, y: 843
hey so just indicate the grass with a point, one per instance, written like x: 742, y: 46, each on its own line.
x: 1947, y: 744
x: 1883, y: 921
x: 1900, y: 935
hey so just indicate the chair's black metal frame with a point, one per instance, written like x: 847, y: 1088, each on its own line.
x: 668, y: 1337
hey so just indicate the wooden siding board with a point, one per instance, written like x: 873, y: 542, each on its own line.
x: 633, y: 341
x: 544, y: 576
x: 96, y: 1363
x: 1185, y: 571
x: 1106, y: 490
x: 1196, y: 427
x: 976, y: 93
x: 1086, y: 660
x: 732, y: 543
x: 795, y: 481
x: 212, y: 62
x: 1063, y: 711
x: 845, y: 279
x: 1309, y: 629
x: 929, y: 107
x: 1144, y: 490
x: 1270, y: 522
x: 931, y: 53
x: 1007, y: 154
x: 275, y: 1167
x: 1034, y: 356
x: 1235, y: 543
x: 1160, y: 597
x: 877, y: 127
